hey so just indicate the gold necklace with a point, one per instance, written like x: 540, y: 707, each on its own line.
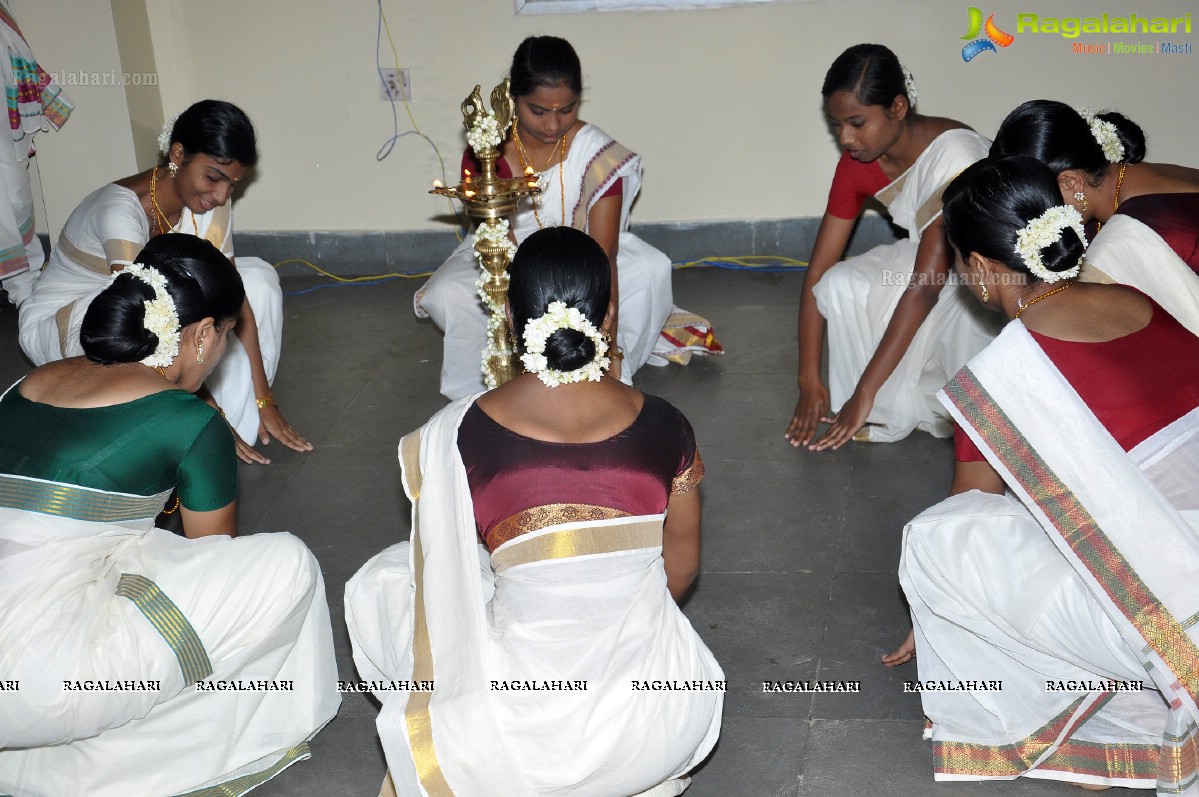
x: 524, y: 159
x: 160, y: 218
x: 1116, y: 202
x: 1024, y: 307
x: 1119, y: 182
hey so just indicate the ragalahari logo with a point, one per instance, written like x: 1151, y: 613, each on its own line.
x: 994, y: 36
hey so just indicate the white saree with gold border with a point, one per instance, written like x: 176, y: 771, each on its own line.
x: 110, y: 228
x: 1078, y: 594
x: 137, y: 662
x: 514, y: 672
x: 858, y: 297
x: 1128, y: 251
x: 594, y: 162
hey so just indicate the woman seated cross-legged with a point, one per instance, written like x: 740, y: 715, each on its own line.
x: 147, y: 663
x: 555, y: 522
x: 1062, y: 568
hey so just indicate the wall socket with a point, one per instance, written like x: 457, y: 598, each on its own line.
x: 394, y: 85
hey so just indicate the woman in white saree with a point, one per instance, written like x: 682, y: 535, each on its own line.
x: 136, y: 661
x: 898, y: 325
x: 551, y: 659
x: 1144, y: 217
x: 1062, y: 567
x: 589, y: 182
x: 206, y: 152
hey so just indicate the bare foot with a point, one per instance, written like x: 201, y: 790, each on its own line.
x: 902, y: 654
x: 1090, y: 786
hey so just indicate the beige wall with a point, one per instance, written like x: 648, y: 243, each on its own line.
x: 724, y: 104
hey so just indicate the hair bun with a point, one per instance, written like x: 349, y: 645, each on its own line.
x: 568, y: 349
x: 1130, y: 134
x: 114, y: 326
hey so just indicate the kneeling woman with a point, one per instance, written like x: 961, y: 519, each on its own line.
x: 542, y: 645
x: 147, y: 663
x: 1063, y: 564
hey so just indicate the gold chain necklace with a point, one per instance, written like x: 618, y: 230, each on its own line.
x: 160, y: 218
x: 1024, y: 307
x: 524, y: 159
x: 1116, y: 202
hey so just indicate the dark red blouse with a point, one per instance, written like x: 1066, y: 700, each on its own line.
x: 854, y: 182
x: 1135, y: 385
x: 519, y: 484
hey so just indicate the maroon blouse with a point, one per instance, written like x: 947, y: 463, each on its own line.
x: 854, y: 182
x: 519, y: 484
x: 1135, y: 385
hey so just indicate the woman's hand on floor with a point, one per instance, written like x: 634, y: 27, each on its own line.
x: 813, y: 405
x: 846, y: 423
x: 271, y: 423
x: 902, y: 654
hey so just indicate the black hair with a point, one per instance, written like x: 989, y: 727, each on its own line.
x: 987, y: 205
x: 545, y: 61
x: 218, y: 129
x: 871, y: 72
x: 1058, y: 136
x: 560, y: 264
x: 200, y: 280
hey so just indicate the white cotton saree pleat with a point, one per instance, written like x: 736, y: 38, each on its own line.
x: 533, y: 650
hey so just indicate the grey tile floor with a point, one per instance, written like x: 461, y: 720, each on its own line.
x: 800, y: 549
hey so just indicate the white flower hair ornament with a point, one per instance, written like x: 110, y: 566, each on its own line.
x: 161, y: 316
x: 537, y: 331
x: 164, y: 135
x: 1105, y: 134
x: 909, y: 85
x: 1044, y: 230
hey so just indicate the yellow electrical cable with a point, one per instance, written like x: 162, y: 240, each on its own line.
x: 337, y: 278
x: 747, y: 261
x: 396, y: 55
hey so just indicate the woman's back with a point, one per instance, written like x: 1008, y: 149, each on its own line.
x: 520, y: 483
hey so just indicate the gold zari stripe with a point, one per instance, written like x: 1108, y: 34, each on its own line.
x: 64, y: 500
x: 90, y: 262
x: 168, y: 621
x: 585, y: 541
x: 410, y: 457
x: 246, y: 782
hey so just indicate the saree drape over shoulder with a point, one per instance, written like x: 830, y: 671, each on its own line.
x: 108, y: 229
x: 594, y: 162
x: 1129, y: 251
x: 1076, y: 591
x: 858, y: 296
x: 557, y: 664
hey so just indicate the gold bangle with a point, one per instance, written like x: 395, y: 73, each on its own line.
x: 266, y: 401
x: 173, y: 509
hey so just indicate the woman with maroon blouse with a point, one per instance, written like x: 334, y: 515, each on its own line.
x: 1142, y: 218
x: 555, y: 523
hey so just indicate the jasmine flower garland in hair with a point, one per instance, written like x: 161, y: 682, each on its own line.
x: 164, y: 135
x: 909, y: 85
x: 1044, y: 230
x: 1105, y: 135
x: 537, y: 331
x: 161, y: 317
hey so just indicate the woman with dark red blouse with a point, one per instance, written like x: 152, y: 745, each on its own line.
x: 560, y: 659
x: 1061, y: 566
x: 1142, y: 218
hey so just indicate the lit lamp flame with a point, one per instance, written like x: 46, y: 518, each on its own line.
x: 436, y: 183
x: 466, y: 175
x: 528, y: 171
x: 468, y: 192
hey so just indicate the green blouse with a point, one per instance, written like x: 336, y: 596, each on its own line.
x: 144, y: 446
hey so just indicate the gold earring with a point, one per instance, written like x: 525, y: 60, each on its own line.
x: 1079, y: 196
x: 173, y: 168
x: 986, y: 293
x: 200, y: 350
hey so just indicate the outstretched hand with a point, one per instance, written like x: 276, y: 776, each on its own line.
x: 810, y: 409
x: 246, y: 452
x: 846, y: 423
x: 271, y: 423
x: 902, y: 654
